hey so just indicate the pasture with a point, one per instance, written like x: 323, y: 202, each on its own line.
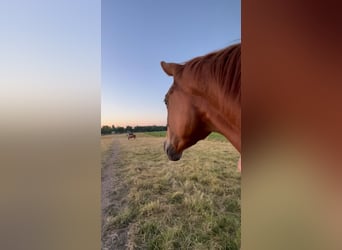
x: 154, y: 203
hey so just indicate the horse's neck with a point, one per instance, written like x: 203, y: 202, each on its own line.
x: 225, y: 119
x: 228, y: 123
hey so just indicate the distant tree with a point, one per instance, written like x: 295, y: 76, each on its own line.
x: 105, y: 130
x: 120, y: 130
x: 129, y: 129
x: 149, y: 128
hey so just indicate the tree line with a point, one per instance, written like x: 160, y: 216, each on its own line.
x: 105, y: 130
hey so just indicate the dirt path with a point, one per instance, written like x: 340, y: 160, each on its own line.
x: 113, y: 200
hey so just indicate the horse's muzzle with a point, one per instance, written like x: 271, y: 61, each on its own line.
x: 172, y: 154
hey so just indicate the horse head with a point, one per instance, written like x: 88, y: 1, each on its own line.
x: 185, y: 125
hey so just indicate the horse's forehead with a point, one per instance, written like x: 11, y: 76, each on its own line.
x: 186, y: 79
x: 182, y: 82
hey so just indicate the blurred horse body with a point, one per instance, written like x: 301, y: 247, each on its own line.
x: 131, y: 136
x: 205, y: 97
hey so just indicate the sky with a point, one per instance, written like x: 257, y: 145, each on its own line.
x: 137, y: 35
x: 50, y: 63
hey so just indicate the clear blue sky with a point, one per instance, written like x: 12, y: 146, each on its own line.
x: 137, y: 35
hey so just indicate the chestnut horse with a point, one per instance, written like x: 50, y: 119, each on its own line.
x: 130, y: 136
x: 205, y: 97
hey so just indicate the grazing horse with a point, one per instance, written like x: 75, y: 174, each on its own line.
x: 205, y: 97
x: 130, y: 136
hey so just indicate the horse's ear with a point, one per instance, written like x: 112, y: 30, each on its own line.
x: 169, y: 68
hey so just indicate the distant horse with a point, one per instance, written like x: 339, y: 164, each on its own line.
x: 130, y: 136
x: 205, y: 97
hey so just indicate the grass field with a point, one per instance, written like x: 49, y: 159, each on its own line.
x: 190, y: 204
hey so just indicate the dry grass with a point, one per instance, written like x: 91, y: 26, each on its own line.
x: 106, y: 143
x: 190, y: 204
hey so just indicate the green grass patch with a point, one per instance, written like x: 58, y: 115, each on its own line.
x: 212, y: 137
x: 156, y: 133
x: 216, y: 137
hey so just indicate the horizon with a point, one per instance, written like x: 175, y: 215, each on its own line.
x: 130, y: 125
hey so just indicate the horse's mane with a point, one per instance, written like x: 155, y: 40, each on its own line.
x: 224, y: 66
